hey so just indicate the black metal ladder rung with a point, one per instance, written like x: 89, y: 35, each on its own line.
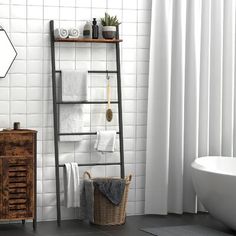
x: 96, y: 164
x: 56, y: 104
x: 80, y: 133
x: 97, y: 71
x: 87, y: 102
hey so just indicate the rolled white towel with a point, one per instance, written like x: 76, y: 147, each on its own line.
x: 73, y: 33
x: 61, y: 33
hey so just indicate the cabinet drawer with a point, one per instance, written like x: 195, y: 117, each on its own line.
x: 17, y: 144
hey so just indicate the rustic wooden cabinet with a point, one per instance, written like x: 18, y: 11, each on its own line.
x: 18, y: 175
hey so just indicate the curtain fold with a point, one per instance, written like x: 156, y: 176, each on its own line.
x: 204, y: 83
x: 176, y: 137
x: 193, y: 20
x: 191, y: 108
x: 216, y: 46
x: 228, y: 78
x: 159, y: 125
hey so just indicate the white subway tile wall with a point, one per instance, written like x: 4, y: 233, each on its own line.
x: 25, y: 93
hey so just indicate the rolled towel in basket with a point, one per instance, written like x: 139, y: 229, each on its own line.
x: 61, y: 33
x: 73, y: 33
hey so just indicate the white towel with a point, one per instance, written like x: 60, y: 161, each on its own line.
x: 71, y: 185
x: 73, y: 33
x: 105, y: 141
x: 61, y: 33
x: 74, y: 85
x: 71, y: 121
x: 73, y: 88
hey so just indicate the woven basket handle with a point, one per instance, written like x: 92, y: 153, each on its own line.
x: 129, y: 178
x: 88, y: 174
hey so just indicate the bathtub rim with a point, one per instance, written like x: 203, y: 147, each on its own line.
x: 200, y: 167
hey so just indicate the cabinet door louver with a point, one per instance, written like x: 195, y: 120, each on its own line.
x: 17, y: 187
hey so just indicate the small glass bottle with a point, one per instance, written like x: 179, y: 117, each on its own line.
x: 87, y: 30
x: 95, y: 30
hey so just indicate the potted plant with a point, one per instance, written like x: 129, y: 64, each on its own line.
x: 109, y: 24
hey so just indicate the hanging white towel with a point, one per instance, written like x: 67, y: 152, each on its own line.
x: 105, y: 141
x: 71, y: 185
x: 61, y: 33
x: 74, y: 85
x: 71, y: 121
x: 73, y: 88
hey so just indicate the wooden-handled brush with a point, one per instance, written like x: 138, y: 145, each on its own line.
x: 109, y: 113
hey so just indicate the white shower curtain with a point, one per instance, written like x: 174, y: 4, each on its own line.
x: 191, y: 108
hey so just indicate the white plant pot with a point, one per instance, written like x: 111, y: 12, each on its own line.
x: 109, y: 32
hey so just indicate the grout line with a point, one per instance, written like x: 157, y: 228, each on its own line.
x: 106, y: 167
x: 135, y: 155
x: 26, y: 115
x: 90, y: 89
x: 9, y: 76
x: 43, y: 128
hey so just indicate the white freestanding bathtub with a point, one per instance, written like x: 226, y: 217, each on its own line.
x: 214, y: 180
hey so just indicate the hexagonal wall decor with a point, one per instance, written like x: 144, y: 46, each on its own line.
x: 7, y: 53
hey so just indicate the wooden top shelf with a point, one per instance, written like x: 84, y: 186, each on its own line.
x: 21, y: 131
x: 88, y: 40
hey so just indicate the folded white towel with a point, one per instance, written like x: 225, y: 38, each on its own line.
x: 105, y: 141
x: 71, y: 121
x: 61, y: 33
x: 71, y: 185
x: 74, y: 85
x: 73, y: 33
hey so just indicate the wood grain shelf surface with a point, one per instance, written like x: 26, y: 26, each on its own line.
x: 20, y: 131
x: 88, y: 40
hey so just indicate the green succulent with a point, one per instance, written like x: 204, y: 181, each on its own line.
x: 109, y: 20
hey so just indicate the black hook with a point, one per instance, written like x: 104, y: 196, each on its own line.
x: 108, y: 77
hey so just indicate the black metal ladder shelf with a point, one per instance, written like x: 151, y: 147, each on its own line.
x: 57, y: 103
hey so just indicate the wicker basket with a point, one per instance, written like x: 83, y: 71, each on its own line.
x: 106, y: 213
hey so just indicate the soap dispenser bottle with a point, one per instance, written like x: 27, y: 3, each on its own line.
x: 95, y: 30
